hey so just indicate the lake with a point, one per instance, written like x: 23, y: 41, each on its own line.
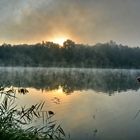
x: 90, y: 104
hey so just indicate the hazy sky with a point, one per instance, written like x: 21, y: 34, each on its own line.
x: 85, y: 21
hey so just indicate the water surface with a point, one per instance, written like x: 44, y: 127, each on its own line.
x: 100, y: 104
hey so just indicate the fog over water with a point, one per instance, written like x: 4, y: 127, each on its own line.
x: 101, y: 104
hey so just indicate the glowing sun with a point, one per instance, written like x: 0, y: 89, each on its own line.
x: 59, y: 40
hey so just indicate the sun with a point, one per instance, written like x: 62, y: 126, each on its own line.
x: 59, y: 40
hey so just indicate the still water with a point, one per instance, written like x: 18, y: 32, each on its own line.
x: 90, y: 104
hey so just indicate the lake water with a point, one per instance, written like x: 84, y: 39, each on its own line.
x: 90, y: 104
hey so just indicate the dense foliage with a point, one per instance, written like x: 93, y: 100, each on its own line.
x: 49, y: 54
x: 15, y: 121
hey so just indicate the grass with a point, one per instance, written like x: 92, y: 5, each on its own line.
x: 14, y: 120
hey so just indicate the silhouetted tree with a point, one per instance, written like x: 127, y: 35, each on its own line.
x: 49, y: 54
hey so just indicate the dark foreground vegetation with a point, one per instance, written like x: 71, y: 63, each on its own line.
x: 49, y: 54
x: 15, y: 122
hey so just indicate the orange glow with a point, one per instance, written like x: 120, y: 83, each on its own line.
x: 59, y: 40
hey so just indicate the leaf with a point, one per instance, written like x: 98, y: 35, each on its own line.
x: 42, y: 105
x: 50, y: 112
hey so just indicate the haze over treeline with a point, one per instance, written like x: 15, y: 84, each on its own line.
x: 49, y: 54
x: 87, y: 21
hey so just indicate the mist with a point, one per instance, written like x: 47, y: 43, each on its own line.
x: 89, y: 21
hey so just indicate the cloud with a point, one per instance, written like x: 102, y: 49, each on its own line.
x: 87, y: 21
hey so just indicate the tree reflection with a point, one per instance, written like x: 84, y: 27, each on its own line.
x: 107, y: 81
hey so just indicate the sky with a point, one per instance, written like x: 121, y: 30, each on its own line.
x: 83, y: 21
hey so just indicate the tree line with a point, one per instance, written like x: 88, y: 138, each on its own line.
x: 49, y: 54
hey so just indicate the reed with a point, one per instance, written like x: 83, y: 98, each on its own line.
x: 14, y: 120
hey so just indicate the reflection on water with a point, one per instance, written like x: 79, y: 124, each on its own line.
x: 107, y: 81
x: 89, y: 115
x: 86, y: 114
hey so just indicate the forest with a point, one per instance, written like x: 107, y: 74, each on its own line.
x: 71, y: 54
